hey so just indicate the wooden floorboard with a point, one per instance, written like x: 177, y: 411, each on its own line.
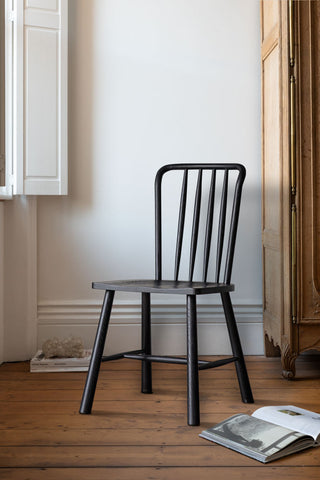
x: 132, y: 436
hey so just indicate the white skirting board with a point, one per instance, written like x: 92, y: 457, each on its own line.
x: 79, y: 318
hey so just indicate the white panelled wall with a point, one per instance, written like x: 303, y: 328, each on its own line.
x: 150, y: 82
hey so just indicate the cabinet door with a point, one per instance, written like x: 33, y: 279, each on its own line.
x: 40, y: 97
x: 308, y: 79
x: 275, y: 173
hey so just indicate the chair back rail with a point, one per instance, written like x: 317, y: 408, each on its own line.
x: 226, y: 229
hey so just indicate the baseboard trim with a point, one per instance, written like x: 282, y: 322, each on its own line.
x: 79, y: 318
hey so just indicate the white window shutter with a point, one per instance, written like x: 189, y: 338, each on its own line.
x: 6, y: 189
x: 40, y: 97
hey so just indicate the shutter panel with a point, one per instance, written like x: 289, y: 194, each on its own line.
x: 6, y: 100
x: 40, y: 97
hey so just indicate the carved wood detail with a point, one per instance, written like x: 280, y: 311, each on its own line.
x: 271, y: 350
x: 288, y: 359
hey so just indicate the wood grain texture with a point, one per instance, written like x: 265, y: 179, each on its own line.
x: 308, y: 216
x: 276, y: 213
x: 291, y: 178
x: 130, y: 435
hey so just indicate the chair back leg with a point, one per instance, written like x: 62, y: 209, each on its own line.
x: 192, y: 363
x: 243, y: 379
x: 146, y: 365
x: 94, y: 367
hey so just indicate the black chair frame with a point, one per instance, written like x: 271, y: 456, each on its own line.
x: 189, y: 288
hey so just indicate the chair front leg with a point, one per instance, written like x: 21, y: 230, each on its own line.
x: 192, y: 363
x: 97, y: 351
x: 241, y: 369
x: 146, y: 366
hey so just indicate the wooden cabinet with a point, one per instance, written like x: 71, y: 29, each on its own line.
x: 291, y: 178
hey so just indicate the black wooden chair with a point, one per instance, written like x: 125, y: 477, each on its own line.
x: 213, y: 233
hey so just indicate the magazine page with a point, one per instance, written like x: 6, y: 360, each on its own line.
x: 251, y: 436
x: 291, y: 417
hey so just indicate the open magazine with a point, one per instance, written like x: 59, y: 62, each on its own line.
x: 269, y: 433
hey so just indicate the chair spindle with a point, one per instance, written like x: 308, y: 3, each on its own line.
x: 195, y: 225
x: 222, y: 224
x: 233, y: 232
x: 182, y: 214
x: 209, y: 224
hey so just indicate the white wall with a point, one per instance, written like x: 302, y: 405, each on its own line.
x: 19, y: 267
x: 150, y: 83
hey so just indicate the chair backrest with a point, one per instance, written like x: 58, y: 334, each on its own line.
x: 210, y: 196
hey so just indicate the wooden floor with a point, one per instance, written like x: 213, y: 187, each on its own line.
x: 134, y: 436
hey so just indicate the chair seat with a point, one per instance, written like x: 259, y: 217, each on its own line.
x: 164, y: 286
